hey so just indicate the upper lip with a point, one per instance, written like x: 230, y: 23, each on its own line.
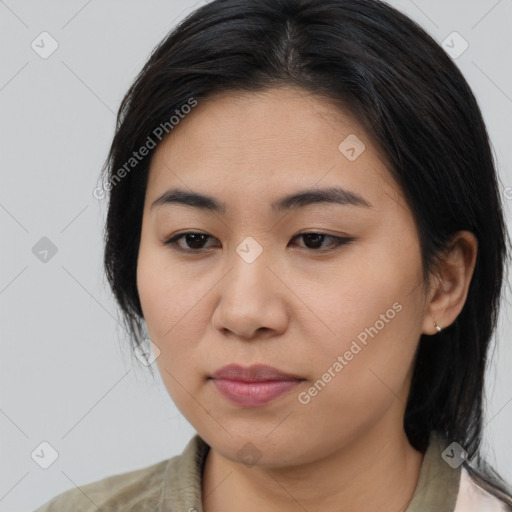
x: 254, y: 373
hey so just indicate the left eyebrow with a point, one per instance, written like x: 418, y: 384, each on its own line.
x: 334, y: 195
x: 293, y: 201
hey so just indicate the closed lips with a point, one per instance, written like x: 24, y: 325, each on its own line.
x: 255, y: 373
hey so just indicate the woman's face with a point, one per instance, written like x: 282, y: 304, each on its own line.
x: 254, y: 288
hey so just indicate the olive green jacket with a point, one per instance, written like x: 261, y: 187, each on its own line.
x: 174, y: 485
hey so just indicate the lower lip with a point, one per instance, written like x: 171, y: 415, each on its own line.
x: 253, y: 394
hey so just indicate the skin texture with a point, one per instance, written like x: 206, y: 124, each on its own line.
x: 298, y: 306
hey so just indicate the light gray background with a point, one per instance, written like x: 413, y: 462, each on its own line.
x: 66, y: 376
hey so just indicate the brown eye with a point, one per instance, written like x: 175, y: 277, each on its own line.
x: 314, y: 241
x: 194, y: 241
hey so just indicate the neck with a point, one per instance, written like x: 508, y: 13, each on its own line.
x: 365, y: 474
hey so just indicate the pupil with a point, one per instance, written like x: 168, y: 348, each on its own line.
x: 194, y: 238
x: 317, y: 239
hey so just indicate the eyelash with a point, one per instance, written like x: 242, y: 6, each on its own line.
x: 337, y: 241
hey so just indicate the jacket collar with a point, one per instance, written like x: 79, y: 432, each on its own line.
x: 436, y: 490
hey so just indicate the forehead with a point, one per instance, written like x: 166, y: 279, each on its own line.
x: 268, y: 144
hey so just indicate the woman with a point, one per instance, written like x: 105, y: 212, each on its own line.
x: 305, y: 221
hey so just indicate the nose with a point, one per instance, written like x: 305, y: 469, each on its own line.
x: 252, y: 299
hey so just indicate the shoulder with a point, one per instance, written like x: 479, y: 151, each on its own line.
x: 167, y: 485
x: 133, y: 490
x: 472, y: 498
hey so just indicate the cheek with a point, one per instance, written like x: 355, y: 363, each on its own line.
x: 166, y: 294
x: 171, y: 306
x: 362, y: 376
x: 374, y: 318
x: 367, y: 293
x: 177, y: 312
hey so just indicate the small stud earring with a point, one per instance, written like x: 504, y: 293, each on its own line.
x: 436, y: 325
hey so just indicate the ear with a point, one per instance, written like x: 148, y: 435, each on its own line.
x: 449, y: 291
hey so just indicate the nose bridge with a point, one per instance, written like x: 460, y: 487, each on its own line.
x: 249, y: 296
x: 250, y: 263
